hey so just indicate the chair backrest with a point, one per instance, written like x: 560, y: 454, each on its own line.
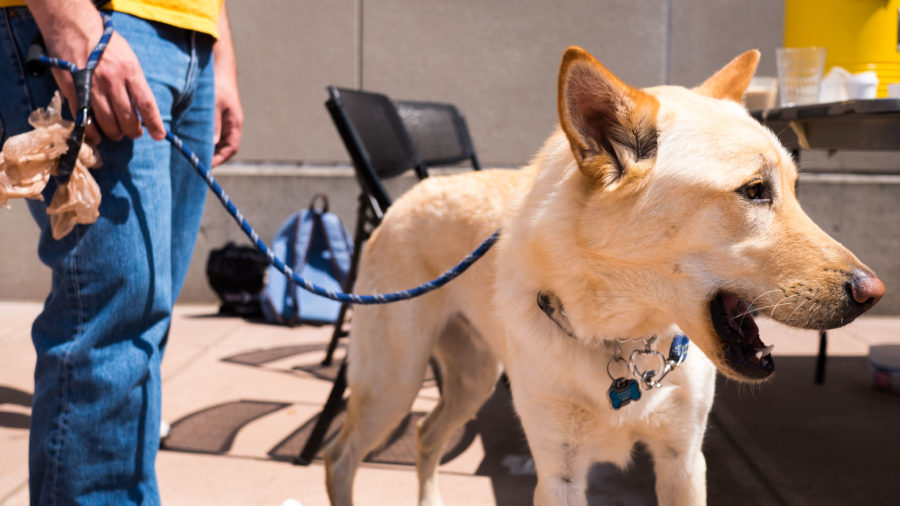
x: 438, y: 132
x: 376, y: 140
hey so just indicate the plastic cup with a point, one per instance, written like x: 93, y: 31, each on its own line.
x: 799, y: 74
x: 761, y: 93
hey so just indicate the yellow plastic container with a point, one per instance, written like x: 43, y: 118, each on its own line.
x: 858, y: 35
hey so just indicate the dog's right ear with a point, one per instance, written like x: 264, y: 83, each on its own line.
x: 732, y: 80
x: 611, y: 126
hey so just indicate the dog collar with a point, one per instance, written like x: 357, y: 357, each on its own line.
x: 623, y: 390
x: 552, y: 306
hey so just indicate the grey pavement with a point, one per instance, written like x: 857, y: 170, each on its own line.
x: 240, y: 396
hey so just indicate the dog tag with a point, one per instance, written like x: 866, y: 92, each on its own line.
x: 678, y: 350
x: 622, y: 391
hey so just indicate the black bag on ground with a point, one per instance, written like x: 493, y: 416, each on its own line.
x: 237, y: 275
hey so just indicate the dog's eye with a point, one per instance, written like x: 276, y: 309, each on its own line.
x: 757, y: 191
x: 754, y: 191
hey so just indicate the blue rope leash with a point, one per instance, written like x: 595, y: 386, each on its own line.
x: 81, y: 79
x: 93, y: 58
x: 353, y: 298
x: 279, y: 264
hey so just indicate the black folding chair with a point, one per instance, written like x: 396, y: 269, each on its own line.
x: 438, y: 132
x: 379, y: 148
x: 431, y: 134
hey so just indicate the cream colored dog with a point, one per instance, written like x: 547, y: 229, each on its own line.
x: 648, y: 211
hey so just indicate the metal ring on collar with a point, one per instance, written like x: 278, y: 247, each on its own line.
x: 617, y: 359
x: 646, y: 376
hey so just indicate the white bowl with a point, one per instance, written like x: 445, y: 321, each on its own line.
x: 884, y: 362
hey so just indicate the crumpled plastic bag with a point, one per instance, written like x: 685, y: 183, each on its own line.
x: 77, y: 201
x: 29, y: 159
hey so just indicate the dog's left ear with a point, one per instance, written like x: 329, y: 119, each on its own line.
x: 611, y: 126
x: 733, y: 79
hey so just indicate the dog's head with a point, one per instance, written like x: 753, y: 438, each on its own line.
x: 682, y: 188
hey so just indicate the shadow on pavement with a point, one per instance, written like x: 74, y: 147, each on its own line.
x: 12, y: 419
x: 785, y: 442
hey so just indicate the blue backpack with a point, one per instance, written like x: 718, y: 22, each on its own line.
x: 316, y: 245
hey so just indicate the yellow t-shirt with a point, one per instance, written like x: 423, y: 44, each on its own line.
x: 199, y: 15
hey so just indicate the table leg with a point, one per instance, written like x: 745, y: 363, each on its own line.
x: 823, y: 356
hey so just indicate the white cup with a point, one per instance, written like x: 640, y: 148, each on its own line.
x: 863, y: 85
x: 761, y: 93
x: 893, y: 90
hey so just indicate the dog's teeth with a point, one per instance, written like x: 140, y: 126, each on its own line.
x: 764, y: 352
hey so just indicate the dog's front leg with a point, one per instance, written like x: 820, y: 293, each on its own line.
x: 680, y: 475
x: 554, y: 492
x: 676, y: 445
x: 560, y: 480
x: 558, y: 451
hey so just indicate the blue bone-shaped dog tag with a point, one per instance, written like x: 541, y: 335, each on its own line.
x: 622, y: 391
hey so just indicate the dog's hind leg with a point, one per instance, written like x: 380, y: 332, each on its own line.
x: 387, y: 364
x: 470, y: 372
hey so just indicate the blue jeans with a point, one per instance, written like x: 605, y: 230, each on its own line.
x: 100, y: 338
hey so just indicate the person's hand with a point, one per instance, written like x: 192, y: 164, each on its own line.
x: 229, y: 112
x: 121, y: 97
x: 229, y: 118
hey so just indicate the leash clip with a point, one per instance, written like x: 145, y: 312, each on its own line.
x: 83, y: 117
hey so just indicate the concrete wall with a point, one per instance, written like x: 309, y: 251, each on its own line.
x: 859, y: 210
x: 862, y: 211
x: 497, y: 61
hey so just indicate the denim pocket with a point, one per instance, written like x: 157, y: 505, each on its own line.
x: 21, y: 93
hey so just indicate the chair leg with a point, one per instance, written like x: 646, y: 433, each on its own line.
x: 332, y: 407
x: 359, y: 237
x: 822, y: 358
x: 438, y: 375
x: 338, y: 333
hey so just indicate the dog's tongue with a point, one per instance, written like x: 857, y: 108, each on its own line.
x: 738, y: 314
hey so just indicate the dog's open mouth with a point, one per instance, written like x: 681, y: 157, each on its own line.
x: 744, y: 350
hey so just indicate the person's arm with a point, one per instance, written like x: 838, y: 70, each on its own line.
x: 229, y: 113
x: 71, y: 29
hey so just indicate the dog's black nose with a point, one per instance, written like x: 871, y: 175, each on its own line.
x: 866, y: 288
